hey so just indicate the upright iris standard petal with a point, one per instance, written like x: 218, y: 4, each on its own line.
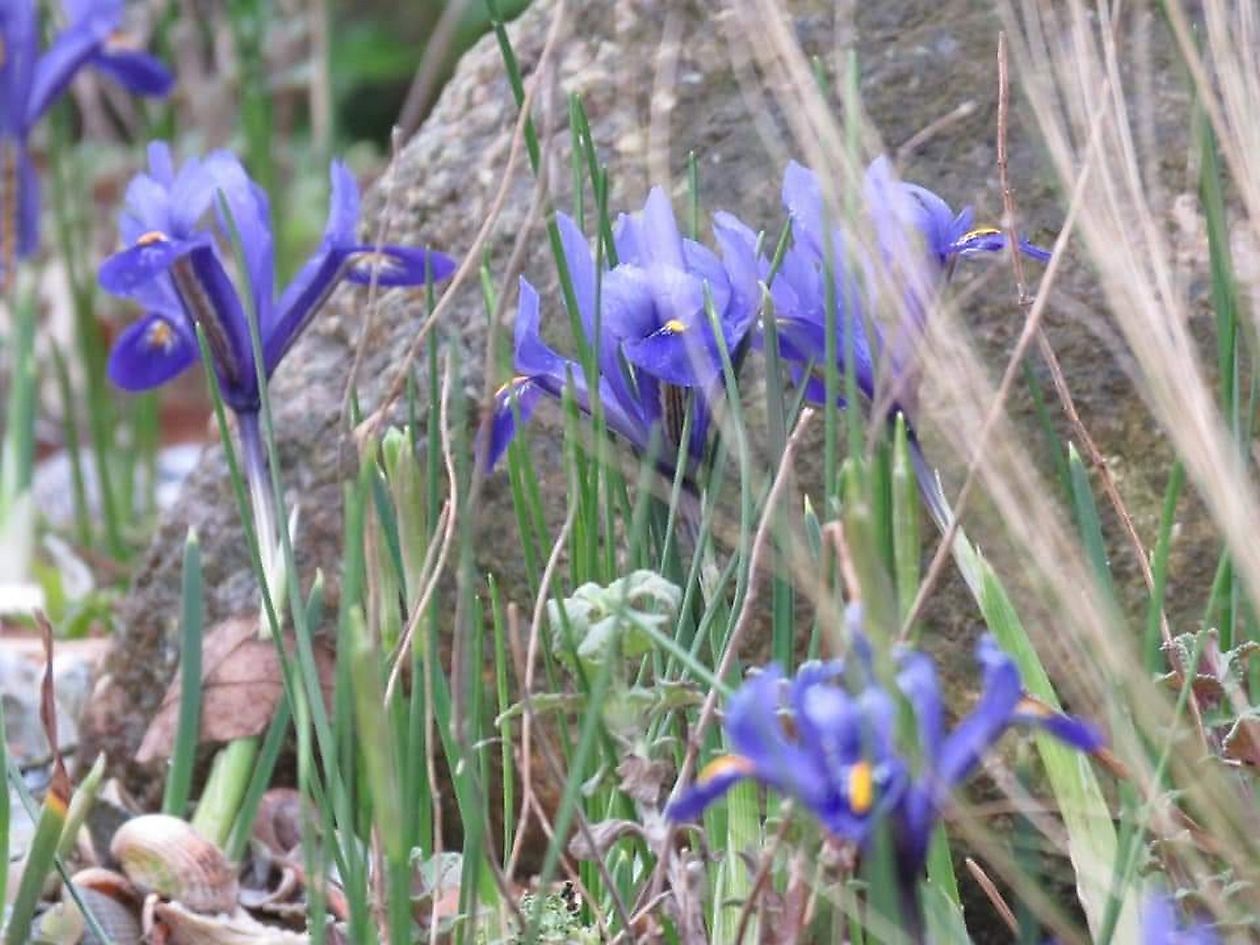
x: 174, y: 265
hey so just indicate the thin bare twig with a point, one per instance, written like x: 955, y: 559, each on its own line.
x: 932, y: 129
x: 1092, y: 452
x: 432, y: 569
x: 991, y: 891
x: 531, y: 658
x: 373, y: 297
x: 1031, y: 323
x: 472, y: 259
x: 709, y: 709
x: 759, y: 880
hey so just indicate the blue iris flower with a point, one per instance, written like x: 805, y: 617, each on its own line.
x: 918, y: 237
x: 1160, y: 926
x: 172, y: 264
x: 656, y: 342
x: 29, y: 84
x: 843, y: 764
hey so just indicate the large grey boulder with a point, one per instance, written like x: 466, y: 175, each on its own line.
x: 920, y: 60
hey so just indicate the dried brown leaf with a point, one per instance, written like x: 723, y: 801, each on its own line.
x: 60, y: 788
x: 241, y: 686
x: 602, y: 836
x: 642, y: 778
x: 1243, y: 741
x: 278, y: 825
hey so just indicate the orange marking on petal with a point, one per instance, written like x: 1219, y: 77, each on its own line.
x: 1030, y: 705
x: 979, y: 232
x: 153, y: 236
x: 673, y: 327
x: 514, y: 382
x: 372, y: 258
x: 122, y: 40
x: 725, y: 764
x: 861, y: 787
x: 159, y: 335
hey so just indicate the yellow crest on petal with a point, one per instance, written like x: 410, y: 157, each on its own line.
x: 861, y: 787
x: 725, y: 764
x: 514, y: 382
x: 1030, y: 705
x: 159, y: 336
x: 151, y: 237
x: 673, y: 327
x: 979, y: 232
x: 374, y: 260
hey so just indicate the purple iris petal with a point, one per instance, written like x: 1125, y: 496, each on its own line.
x: 718, y: 777
x: 976, y: 733
x: 1066, y: 728
x: 238, y: 197
x: 172, y: 264
x: 542, y: 370
x: 27, y: 205
x: 514, y: 403
x: 744, y: 268
x: 916, y: 678
x: 802, y: 197
x: 581, y: 266
x: 656, y: 235
x: 684, y: 355
x: 657, y: 348
x: 142, y: 262
x: 343, y: 205
x: 1161, y: 926
x: 218, y: 310
x: 69, y: 51
x: 20, y: 35
x: 1033, y: 251
x: 396, y: 265
x: 309, y: 289
x: 30, y: 82
x: 137, y: 72
x: 150, y: 352
x: 533, y: 356
x: 627, y: 305
x: 756, y: 732
x: 902, y: 212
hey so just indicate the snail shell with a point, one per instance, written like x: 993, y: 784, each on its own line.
x: 167, y: 856
x: 113, y: 902
x: 184, y: 927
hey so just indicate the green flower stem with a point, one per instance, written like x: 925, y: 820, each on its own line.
x: 39, y: 859
x: 225, y: 789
